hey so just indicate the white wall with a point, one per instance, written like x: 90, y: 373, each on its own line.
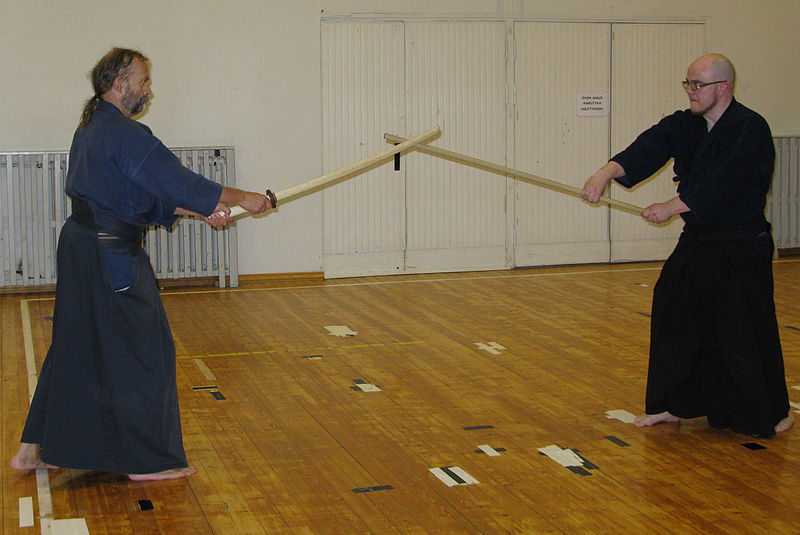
x: 246, y: 73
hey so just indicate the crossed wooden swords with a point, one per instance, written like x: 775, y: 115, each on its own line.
x: 419, y: 143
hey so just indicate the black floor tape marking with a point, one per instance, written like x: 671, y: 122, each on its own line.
x: 362, y: 382
x: 495, y: 449
x: 617, y: 441
x: 476, y: 427
x: 455, y: 477
x: 580, y: 470
x: 372, y: 489
x: 217, y: 394
x: 586, y: 463
x: 754, y: 446
x: 146, y: 505
x: 212, y: 387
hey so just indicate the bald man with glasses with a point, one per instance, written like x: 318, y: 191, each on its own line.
x: 714, y: 347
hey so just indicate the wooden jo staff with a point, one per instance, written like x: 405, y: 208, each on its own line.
x: 320, y: 181
x: 539, y: 181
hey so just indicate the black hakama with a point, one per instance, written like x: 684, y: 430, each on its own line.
x: 715, y: 349
x: 714, y: 346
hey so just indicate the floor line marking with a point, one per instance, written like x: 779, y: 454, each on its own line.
x: 30, y: 358
x: 328, y: 284
x: 42, y: 477
x: 331, y: 348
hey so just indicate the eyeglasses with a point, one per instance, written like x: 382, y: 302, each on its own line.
x: 694, y: 85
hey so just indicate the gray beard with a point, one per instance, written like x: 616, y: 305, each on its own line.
x: 134, y: 106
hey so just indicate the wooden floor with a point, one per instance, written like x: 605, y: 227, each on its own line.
x: 297, y: 430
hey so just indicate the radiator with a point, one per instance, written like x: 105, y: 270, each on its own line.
x: 33, y: 207
x: 783, y: 202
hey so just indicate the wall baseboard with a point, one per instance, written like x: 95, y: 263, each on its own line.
x: 788, y: 251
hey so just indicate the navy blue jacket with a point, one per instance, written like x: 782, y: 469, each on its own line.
x: 127, y: 174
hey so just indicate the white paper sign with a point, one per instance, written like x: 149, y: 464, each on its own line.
x: 592, y: 103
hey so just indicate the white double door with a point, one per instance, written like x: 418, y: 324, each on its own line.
x: 503, y: 92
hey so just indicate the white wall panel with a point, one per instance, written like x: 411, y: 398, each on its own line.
x: 505, y: 92
x: 362, y: 98
x: 456, y: 78
x: 650, y: 60
x: 554, y: 62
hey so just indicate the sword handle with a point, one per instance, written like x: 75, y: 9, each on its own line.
x: 238, y: 210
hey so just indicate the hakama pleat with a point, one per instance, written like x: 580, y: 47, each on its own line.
x: 715, y: 348
x: 106, y: 397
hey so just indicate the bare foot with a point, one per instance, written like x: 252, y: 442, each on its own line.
x: 644, y: 420
x: 785, y: 424
x: 175, y: 473
x: 27, y: 458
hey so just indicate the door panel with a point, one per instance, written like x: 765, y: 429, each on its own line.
x: 456, y: 78
x: 363, y: 97
x: 650, y: 60
x: 556, y: 62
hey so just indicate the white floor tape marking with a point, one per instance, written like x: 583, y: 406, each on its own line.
x: 445, y: 478
x: 491, y: 347
x: 340, y: 330
x: 30, y: 357
x: 564, y: 457
x: 621, y: 415
x: 43, y: 493
x: 488, y: 450
x: 69, y: 526
x: 468, y: 479
x: 26, y: 512
x: 205, y: 369
x: 367, y: 387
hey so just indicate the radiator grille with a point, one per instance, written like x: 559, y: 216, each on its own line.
x: 783, y: 202
x: 33, y: 208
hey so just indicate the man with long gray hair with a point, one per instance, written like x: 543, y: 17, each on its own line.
x: 107, y: 396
